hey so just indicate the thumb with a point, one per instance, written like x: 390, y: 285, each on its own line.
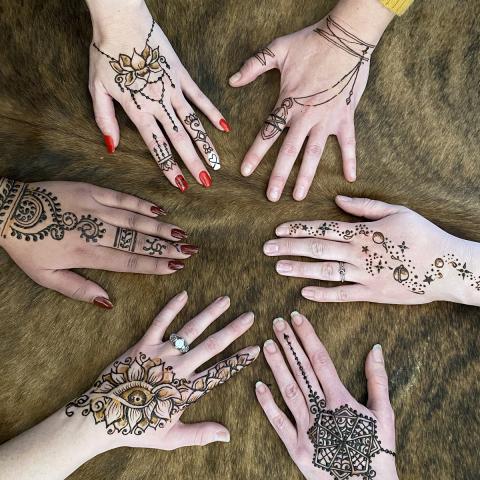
x: 365, y: 207
x: 377, y: 381
x: 74, y: 286
x: 104, y: 111
x: 261, y: 62
x: 201, y: 434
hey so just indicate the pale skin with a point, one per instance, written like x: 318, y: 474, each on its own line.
x: 74, y: 440
x: 308, y: 63
x: 324, y: 379
x: 425, y: 244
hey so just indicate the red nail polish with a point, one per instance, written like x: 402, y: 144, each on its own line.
x: 189, y: 249
x: 109, y: 143
x: 103, y: 302
x: 225, y: 126
x: 175, y: 265
x: 177, y: 233
x: 205, y: 179
x: 181, y: 183
x: 158, y: 210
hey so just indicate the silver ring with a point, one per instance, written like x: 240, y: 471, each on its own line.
x: 341, y: 271
x: 179, y: 343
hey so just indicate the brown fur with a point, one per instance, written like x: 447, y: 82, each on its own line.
x: 417, y: 133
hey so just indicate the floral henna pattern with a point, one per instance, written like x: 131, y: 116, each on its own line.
x: 202, y: 138
x: 141, y: 392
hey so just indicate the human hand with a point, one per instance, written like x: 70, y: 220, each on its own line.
x: 48, y: 228
x: 333, y: 435
x: 324, y: 70
x: 132, y: 62
x: 399, y: 257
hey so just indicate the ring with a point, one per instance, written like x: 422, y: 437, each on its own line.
x: 341, y: 271
x: 179, y: 343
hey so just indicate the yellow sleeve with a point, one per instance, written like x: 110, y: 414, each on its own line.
x: 399, y: 7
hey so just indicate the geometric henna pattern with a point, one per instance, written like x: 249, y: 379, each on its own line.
x: 201, y: 137
x: 125, y: 239
x: 137, y: 72
x: 344, y: 440
x: 163, y: 155
x: 155, y: 246
x: 262, y: 54
x: 140, y: 393
x: 340, y: 38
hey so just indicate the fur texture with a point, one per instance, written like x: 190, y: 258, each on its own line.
x: 418, y: 144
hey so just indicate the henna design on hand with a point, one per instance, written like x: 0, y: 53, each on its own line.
x: 155, y: 246
x: 141, y: 392
x: 163, y: 155
x: 262, y: 55
x: 202, y: 138
x: 344, y: 440
x: 137, y: 72
x: 125, y: 239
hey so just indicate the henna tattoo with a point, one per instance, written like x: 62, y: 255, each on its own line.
x: 344, y: 440
x: 163, y: 155
x: 202, y: 138
x: 140, y: 393
x: 125, y: 239
x: 137, y: 72
x: 262, y: 55
x: 155, y: 246
x: 340, y: 38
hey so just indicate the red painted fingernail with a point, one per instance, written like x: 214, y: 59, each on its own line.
x: 103, y: 302
x: 158, y: 210
x: 205, y: 179
x: 189, y: 249
x: 224, y: 124
x: 177, y: 233
x: 109, y: 143
x: 175, y: 265
x: 181, y: 183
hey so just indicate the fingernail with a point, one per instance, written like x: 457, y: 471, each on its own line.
x: 260, y: 387
x: 308, y: 293
x: 177, y: 233
x: 181, y: 183
x: 279, y: 324
x: 222, y: 299
x: 158, y: 210
x: 377, y: 353
x: 284, y: 267
x: 189, y: 249
x: 280, y: 231
x: 269, y: 346
x: 270, y: 247
x: 109, y: 143
x: 235, y: 77
x: 247, y: 169
x: 205, y: 179
x: 248, y: 318
x: 222, y: 437
x: 103, y: 302
x: 175, y: 265
x: 225, y: 126
x: 274, y: 194
x: 343, y: 198
x: 297, y: 319
x: 299, y: 193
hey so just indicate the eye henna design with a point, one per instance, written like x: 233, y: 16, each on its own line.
x: 125, y: 239
x: 342, y: 39
x: 344, y: 440
x: 154, y: 246
x: 140, y: 393
x: 139, y: 71
x: 193, y: 122
x: 262, y: 55
x: 163, y: 155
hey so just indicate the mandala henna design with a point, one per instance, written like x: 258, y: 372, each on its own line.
x: 125, y: 239
x: 344, y: 440
x: 141, y: 392
x: 163, y: 155
x: 137, y: 72
x: 202, y: 138
x: 155, y: 246
x: 262, y: 55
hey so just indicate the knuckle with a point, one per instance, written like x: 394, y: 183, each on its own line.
x: 380, y: 380
x: 317, y: 247
x: 211, y: 344
x: 277, y: 181
x: 200, y: 438
x: 291, y: 391
x: 278, y: 422
x: 132, y: 221
x: 327, y: 271
x: 342, y: 295
x: 132, y: 263
x: 320, y: 359
x: 350, y: 141
x: 158, y: 265
x: 314, y: 150
x: 181, y: 137
x: 289, y: 149
x: 189, y: 332
x: 159, y: 228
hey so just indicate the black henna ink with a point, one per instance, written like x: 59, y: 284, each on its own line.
x: 262, y: 55
x: 193, y: 122
x: 125, y: 239
x: 163, y: 155
x: 155, y: 246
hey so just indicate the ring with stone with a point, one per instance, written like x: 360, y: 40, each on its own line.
x: 341, y: 271
x: 179, y: 343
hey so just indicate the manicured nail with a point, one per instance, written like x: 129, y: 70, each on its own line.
x: 177, y: 233
x: 175, y: 265
x: 222, y: 437
x: 189, y: 249
x: 284, y: 267
x: 109, y: 143
x: 279, y: 324
x: 269, y: 346
x: 205, y: 179
x: 297, y: 319
x: 274, y: 194
x: 377, y: 353
x: 343, y: 198
x: 158, y: 210
x: 181, y: 183
x: 248, y: 318
x: 308, y: 293
x: 235, y: 77
x: 103, y: 302
x: 281, y: 231
x: 260, y: 387
x: 225, y: 126
x: 270, y: 247
x: 247, y: 169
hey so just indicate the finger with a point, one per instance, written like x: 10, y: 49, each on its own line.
x: 199, y: 434
x: 219, y: 341
x: 287, y: 385
x: 377, y: 382
x: 311, y: 158
x: 346, y: 139
x: 365, y: 207
x: 286, y: 158
x: 327, y: 271
x: 309, y: 247
x: 279, y: 421
x: 74, y: 286
x: 124, y: 201
x: 337, y: 231
x: 165, y: 317
x: 345, y: 293
x: 319, y: 358
x: 104, y: 112
x: 261, y: 62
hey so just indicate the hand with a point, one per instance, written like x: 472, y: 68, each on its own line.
x: 48, y: 228
x: 324, y: 71
x: 333, y: 435
x: 132, y: 62
x: 138, y: 400
x: 400, y: 257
